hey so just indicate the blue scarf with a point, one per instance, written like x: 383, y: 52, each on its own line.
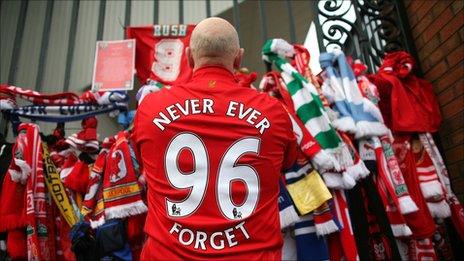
x: 357, y: 114
x: 308, y: 245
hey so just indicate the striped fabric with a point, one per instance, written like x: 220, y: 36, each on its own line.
x: 307, y: 103
x: 308, y: 245
x: 357, y: 114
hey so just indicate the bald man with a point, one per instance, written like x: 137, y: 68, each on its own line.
x: 212, y: 152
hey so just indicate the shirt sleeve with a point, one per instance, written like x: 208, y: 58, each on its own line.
x: 291, y: 150
x: 135, y: 140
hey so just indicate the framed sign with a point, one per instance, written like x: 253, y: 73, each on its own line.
x: 114, y: 65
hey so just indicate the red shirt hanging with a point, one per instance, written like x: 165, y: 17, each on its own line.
x: 160, y: 52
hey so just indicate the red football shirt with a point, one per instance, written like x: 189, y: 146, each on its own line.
x: 212, y: 152
x: 160, y: 52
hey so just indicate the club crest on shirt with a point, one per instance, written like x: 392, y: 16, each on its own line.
x: 117, y: 171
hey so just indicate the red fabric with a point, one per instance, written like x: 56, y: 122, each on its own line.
x: 160, y: 52
x: 64, y: 98
x: 421, y: 250
x: 413, y: 105
x: 335, y: 247
x: 421, y: 222
x: 12, y: 202
x: 78, y: 179
x: 346, y: 236
x: 121, y: 190
x: 94, y: 183
x: 136, y: 235
x: 218, y: 132
x: 457, y: 216
x: 16, y: 244
x: 245, y: 79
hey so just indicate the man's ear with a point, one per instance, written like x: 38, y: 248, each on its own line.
x: 188, y: 52
x: 238, y: 59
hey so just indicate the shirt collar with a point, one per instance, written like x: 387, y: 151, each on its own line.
x: 212, y: 71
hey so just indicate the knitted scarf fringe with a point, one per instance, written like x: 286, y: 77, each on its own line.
x: 324, y: 161
x: 338, y: 180
x: 407, y: 205
x: 357, y: 171
x: 342, y: 156
x: 326, y: 228
x: 97, y: 223
x: 369, y: 129
x: 126, y: 210
x: 439, y: 209
x: 401, y: 230
x: 345, y: 124
x: 431, y: 189
x: 20, y: 176
x: 288, y: 217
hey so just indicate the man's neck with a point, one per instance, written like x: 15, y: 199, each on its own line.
x: 213, y: 62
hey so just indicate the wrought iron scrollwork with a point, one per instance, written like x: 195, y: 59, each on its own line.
x: 364, y: 29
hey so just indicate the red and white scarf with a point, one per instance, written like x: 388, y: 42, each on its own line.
x: 64, y: 98
x: 93, y: 207
x: 405, y: 202
x: 121, y: 190
x: 457, y: 211
x: 421, y: 222
x: 372, y: 150
x: 431, y: 188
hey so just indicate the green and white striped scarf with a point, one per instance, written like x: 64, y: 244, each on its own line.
x: 307, y: 103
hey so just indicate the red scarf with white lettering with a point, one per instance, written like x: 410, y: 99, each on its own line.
x: 421, y: 222
x: 431, y: 188
x: 121, y: 190
x: 372, y: 150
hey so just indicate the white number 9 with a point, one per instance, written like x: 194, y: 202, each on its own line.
x: 168, y: 54
x: 196, y: 180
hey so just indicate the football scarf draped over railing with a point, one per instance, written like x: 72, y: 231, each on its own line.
x: 60, y: 107
x: 63, y: 113
x: 357, y: 114
x: 307, y: 103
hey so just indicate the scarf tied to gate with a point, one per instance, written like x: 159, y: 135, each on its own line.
x: 307, y: 104
x: 357, y: 114
x: 273, y: 84
x: 60, y: 107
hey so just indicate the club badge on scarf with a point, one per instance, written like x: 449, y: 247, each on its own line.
x: 56, y: 188
x: 121, y: 190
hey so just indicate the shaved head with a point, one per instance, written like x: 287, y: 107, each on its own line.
x: 214, y: 41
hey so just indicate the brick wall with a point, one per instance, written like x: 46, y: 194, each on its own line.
x: 437, y: 27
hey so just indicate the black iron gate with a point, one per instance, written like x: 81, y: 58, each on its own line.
x: 364, y: 29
